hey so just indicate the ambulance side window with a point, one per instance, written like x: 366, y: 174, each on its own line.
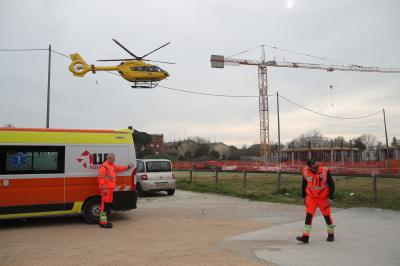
x: 32, y: 159
x: 45, y: 160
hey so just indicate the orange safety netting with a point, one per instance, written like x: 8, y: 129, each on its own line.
x: 370, y: 167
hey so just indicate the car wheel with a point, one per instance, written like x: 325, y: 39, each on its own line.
x: 171, y: 192
x: 91, y: 210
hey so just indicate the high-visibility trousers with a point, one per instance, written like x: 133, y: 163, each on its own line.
x: 321, y: 203
x: 106, y: 196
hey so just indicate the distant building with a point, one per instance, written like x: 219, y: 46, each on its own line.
x: 394, y: 153
x: 157, y: 144
x: 171, y: 147
x: 223, y: 150
x: 9, y: 125
x: 188, y: 148
x: 334, y: 154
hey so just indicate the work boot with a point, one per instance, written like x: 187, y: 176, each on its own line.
x: 107, y: 225
x: 303, y: 239
x: 331, y: 238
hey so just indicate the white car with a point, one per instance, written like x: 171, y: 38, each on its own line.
x: 155, y: 175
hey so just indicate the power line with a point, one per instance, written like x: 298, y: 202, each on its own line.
x: 224, y: 95
x: 32, y: 49
x: 290, y: 101
x: 331, y: 116
x: 60, y: 53
x: 211, y: 94
x: 23, y: 50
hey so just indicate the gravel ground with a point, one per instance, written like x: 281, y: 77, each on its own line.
x: 202, y: 229
x: 183, y: 229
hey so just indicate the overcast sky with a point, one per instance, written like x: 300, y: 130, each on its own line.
x: 362, y: 32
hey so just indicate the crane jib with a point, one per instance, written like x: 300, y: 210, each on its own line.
x: 218, y: 61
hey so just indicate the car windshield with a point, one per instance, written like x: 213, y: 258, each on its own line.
x: 158, y: 166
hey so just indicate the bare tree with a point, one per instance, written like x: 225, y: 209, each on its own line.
x: 369, y: 141
x: 313, y: 138
x: 359, y: 144
x: 199, y: 140
x: 339, y: 141
x: 395, y: 142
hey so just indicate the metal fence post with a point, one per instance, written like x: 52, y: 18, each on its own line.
x: 191, y: 175
x: 216, y: 176
x: 279, y: 180
x: 374, y: 187
x: 244, y: 179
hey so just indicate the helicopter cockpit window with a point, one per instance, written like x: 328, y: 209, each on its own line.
x: 138, y: 68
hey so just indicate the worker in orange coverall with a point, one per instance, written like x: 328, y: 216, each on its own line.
x: 106, y: 180
x: 318, y: 190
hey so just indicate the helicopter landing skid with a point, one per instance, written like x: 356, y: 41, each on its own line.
x: 145, y: 85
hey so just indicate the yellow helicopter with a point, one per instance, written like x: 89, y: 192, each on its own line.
x: 134, y: 70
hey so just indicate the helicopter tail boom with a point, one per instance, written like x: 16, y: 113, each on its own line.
x: 79, y: 67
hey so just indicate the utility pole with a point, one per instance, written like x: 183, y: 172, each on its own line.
x: 48, y: 90
x: 279, y: 144
x: 387, y: 145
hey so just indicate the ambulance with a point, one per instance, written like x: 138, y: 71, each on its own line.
x: 48, y: 172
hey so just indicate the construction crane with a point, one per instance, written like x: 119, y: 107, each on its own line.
x: 219, y: 61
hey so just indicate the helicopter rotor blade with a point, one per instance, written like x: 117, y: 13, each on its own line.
x: 155, y: 50
x: 164, y: 62
x: 106, y: 60
x: 129, y: 52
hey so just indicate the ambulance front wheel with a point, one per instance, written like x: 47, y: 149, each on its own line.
x: 91, y: 210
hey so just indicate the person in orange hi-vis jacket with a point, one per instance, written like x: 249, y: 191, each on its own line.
x: 106, y: 180
x: 318, y: 190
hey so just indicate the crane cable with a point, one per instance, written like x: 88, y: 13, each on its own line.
x: 296, y: 52
x: 220, y: 95
x: 313, y: 56
x: 245, y: 51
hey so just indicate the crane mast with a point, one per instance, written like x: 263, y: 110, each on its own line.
x: 219, y: 61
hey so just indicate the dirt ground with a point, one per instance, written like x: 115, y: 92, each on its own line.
x: 184, y: 229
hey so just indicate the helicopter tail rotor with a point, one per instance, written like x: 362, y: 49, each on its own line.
x: 78, y: 66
